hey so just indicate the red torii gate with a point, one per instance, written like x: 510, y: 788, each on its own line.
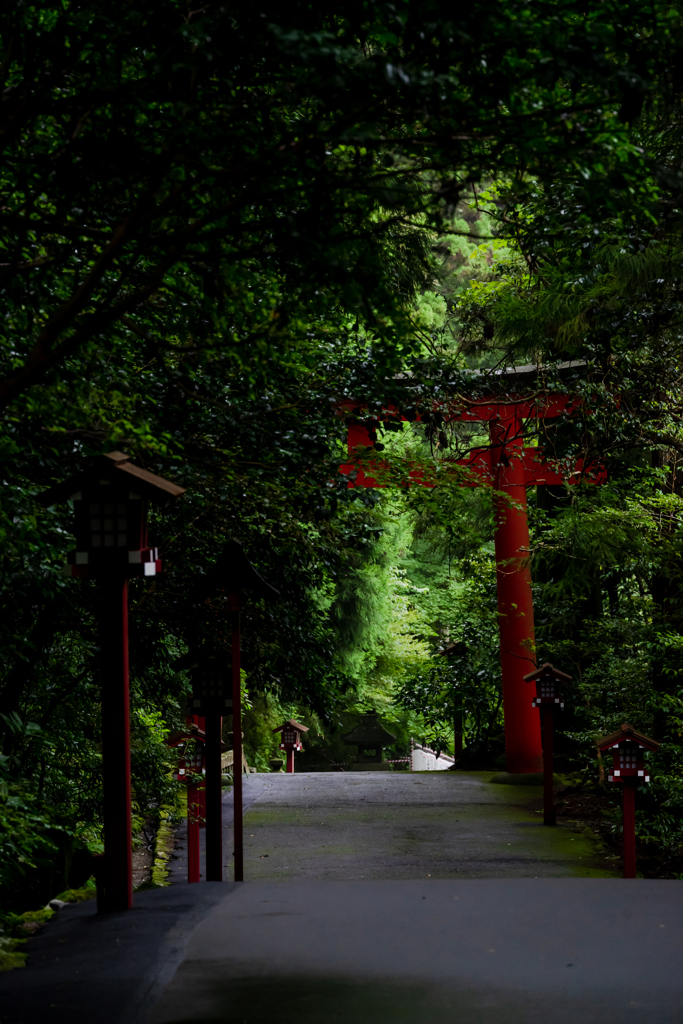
x: 509, y: 467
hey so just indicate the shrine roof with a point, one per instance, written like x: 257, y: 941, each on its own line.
x: 369, y: 731
x: 531, y: 372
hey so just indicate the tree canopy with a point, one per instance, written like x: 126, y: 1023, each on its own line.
x: 216, y: 225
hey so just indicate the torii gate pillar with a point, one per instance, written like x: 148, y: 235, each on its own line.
x: 515, y: 603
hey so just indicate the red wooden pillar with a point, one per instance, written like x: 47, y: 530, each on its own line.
x: 548, y: 795
x: 515, y: 604
x: 214, y: 797
x: 289, y: 769
x: 193, y: 812
x: 115, y: 882
x: 629, y: 809
x: 237, y: 736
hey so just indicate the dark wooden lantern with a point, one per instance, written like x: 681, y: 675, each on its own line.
x: 211, y: 674
x: 110, y: 501
x: 290, y: 734
x: 110, y: 498
x: 190, y: 747
x: 224, y: 587
x: 549, y: 683
x: 290, y: 740
x: 628, y: 747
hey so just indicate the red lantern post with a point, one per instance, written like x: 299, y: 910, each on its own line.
x: 238, y: 811
x: 191, y: 764
x: 110, y: 510
x: 628, y: 752
x: 549, y: 682
x: 196, y: 811
x: 290, y: 740
x: 211, y: 699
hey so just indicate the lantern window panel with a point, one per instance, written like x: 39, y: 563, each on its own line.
x: 628, y: 757
x: 109, y: 540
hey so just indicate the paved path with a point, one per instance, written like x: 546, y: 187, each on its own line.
x: 477, y: 951
x: 383, y: 899
x: 399, y: 825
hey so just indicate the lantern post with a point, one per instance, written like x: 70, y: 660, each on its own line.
x: 191, y: 764
x: 628, y: 747
x: 214, y: 799
x: 549, y: 682
x: 193, y: 826
x: 211, y: 699
x: 231, y: 576
x: 110, y: 499
x: 196, y: 808
x: 238, y: 811
x: 290, y: 740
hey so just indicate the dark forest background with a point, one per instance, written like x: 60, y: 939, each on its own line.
x: 215, y: 225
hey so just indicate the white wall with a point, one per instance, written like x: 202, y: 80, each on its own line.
x: 424, y: 759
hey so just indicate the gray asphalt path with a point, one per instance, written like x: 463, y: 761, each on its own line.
x: 383, y: 899
x: 481, y: 951
x: 89, y: 968
x: 401, y: 825
x: 177, y: 867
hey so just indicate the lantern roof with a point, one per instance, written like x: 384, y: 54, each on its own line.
x: 196, y: 657
x: 627, y: 732
x: 117, y: 469
x: 293, y: 724
x: 192, y: 732
x: 547, y: 670
x: 459, y: 647
x: 369, y: 732
x: 233, y: 573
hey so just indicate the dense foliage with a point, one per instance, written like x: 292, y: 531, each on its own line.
x: 216, y: 224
